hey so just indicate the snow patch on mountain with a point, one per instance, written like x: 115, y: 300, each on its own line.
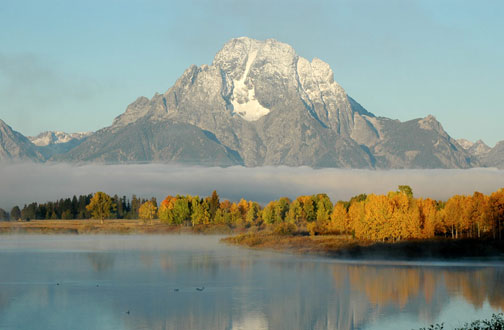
x: 244, y: 100
x: 56, y: 137
x: 478, y: 148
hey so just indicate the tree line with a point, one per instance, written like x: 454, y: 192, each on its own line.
x: 395, y: 216
x: 73, y: 208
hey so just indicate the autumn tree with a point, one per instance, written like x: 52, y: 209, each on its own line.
x: 268, y: 213
x: 165, y: 211
x: 281, y: 208
x: 452, y: 214
x: 339, y: 222
x: 496, y: 209
x: 252, y: 213
x: 200, y: 211
x: 356, y: 214
x: 308, y: 205
x: 101, y: 206
x: 324, y: 208
x: 235, y: 214
x: 429, y: 217
x: 147, y: 211
x: 480, y: 213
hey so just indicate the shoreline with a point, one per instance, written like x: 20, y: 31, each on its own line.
x: 342, y: 247
x: 345, y: 248
x: 124, y: 227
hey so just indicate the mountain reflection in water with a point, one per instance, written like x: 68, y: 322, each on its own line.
x: 155, y: 279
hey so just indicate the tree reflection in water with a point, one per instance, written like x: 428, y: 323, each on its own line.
x: 244, y: 289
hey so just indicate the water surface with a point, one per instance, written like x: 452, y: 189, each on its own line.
x: 92, y: 282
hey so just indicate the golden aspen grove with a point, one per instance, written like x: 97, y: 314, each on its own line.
x: 393, y: 217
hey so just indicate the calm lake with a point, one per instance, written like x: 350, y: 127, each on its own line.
x: 194, y: 282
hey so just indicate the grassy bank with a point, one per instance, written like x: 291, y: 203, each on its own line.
x: 108, y: 227
x: 340, y: 246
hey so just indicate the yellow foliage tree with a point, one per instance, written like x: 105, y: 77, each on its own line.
x: 429, y: 217
x: 339, y: 219
x: 100, y: 206
x: 147, y: 211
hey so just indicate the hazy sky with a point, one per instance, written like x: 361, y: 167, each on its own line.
x: 75, y: 65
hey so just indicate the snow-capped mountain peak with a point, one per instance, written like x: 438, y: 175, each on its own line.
x: 56, y: 137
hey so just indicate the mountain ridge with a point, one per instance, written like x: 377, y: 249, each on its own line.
x: 259, y: 103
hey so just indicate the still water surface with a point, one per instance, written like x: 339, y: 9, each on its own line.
x: 92, y: 282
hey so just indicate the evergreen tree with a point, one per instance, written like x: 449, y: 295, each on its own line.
x: 213, y: 204
x: 29, y: 211
x: 4, y: 216
x: 75, y: 207
x: 15, y: 213
x: 135, y: 205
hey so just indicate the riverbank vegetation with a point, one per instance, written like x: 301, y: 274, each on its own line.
x: 393, y: 217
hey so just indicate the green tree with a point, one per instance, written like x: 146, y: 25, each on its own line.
x: 4, y: 216
x: 268, y: 213
x: 181, y: 210
x: 406, y: 190
x: 135, y: 205
x: 15, y: 213
x: 324, y: 208
x: 29, y: 211
x: 101, y: 206
x: 252, y: 213
x: 67, y: 214
x: 281, y: 209
x: 199, y: 214
x: 213, y: 204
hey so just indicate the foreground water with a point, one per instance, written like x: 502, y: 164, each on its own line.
x: 193, y: 282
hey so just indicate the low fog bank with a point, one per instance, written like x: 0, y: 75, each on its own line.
x: 28, y: 182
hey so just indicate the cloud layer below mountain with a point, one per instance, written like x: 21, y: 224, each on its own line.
x: 28, y: 182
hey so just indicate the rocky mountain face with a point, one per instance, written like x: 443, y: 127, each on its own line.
x: 488, y: 157
x: 478, y: 148
x: 259, y: 103
x: 495, y: 157
x: 14, y: 146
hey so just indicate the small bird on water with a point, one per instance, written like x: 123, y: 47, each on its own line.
x: 128, y: 312
x: 201, y: 289
x: 176, y: 290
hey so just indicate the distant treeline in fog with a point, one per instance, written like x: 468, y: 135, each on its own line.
x: 73, y: 208
x: 395, y: 216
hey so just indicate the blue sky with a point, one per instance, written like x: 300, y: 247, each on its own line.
x: 75, y: 65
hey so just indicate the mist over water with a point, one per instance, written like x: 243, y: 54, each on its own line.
x: 91, y: 282
x: 28, y: 182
